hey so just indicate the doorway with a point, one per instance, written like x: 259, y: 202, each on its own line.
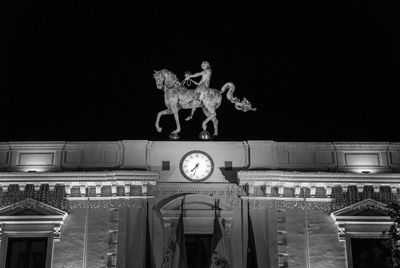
x: 198, y: 250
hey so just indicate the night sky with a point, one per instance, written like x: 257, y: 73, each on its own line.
x: 80, y: 73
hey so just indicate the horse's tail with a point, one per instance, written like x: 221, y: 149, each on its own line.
x: 231, y: 87
x: 242, y: 105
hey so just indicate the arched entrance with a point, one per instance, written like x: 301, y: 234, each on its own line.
x: 198, y: 218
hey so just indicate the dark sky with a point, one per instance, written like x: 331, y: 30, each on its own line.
x: 72, y: 72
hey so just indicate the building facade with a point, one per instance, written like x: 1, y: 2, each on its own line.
x: 85, y: 204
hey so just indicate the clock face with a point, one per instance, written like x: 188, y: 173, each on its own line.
x: 196, y: 166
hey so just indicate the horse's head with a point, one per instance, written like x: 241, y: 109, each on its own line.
x: 165, y: 77
x: 160, y: 78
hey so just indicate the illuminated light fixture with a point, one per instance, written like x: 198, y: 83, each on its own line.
x: 34, y: 169
x: 364, y: 170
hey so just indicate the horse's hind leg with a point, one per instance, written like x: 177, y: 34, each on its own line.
x: 215, y: 123
x: 211, y: 115
x: 166, y: 111
x: 191, y: 114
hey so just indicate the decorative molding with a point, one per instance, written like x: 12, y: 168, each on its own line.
x: 41, y: 216
x: 196, y: 188
x: 363, y: 146
x: 324, y: 204
x: 29, y: 203
x: 228, y: 227
x: 318, y: 184
x: 128, y: 181
x: 77, y: 203
x: 255, y: 175
x: 47, y: 145
x: 133, y: 175
x: 352, y: 218
x: 57, y: 233
x: 362, y: 205
x: 341, y: 233
x: 228, y: 191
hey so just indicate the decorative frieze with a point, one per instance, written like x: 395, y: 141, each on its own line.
x: 345, y: 188
x: 129, y: 183
x: 99, y: 202
x: 71, y: 190
x: 54, y: 198
x: 227, y: 191
x: 324, y: 204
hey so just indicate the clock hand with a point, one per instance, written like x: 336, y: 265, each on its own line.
x: 197, y: 165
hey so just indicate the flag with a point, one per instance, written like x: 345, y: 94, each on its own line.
x: 219, y: 256
x: 251, y: 244
x: 175, y: 257
x: 148, y: 261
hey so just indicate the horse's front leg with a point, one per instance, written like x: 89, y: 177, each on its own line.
x: 191, y: 114
x: 178, y: 125
x: 166, y: 111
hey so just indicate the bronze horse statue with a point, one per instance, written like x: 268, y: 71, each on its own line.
x: 177, y: 96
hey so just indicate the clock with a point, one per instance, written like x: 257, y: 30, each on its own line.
x: 196, y: 166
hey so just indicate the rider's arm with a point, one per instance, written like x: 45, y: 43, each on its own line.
x: 195, y: 75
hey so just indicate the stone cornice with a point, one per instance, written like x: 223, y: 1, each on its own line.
x: 394, y: 146
x: 37, y: 144
x: 86, y: 175
x: 254, y: 176
x: 369, y: 146
x: 83, y: 180
x: 266, y: 180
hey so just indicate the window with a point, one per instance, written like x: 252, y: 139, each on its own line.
x: 362, y: 226
x: 371, y: 252
x: 228, y: 165
x: 28, y: 229
x: 26, y: 252
x: 165, y: 165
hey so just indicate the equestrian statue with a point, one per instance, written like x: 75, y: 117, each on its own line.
x: 177, y: 96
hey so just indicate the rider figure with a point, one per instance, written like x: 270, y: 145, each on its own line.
x: 205, y: 76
